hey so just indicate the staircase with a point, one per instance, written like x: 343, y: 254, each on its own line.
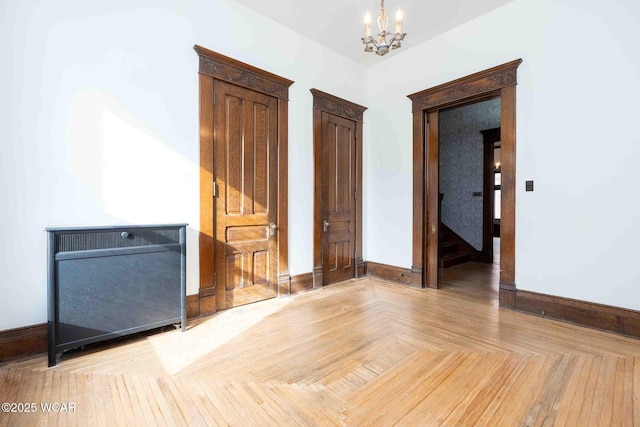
x: 451, y: 254
x: 452, y: 249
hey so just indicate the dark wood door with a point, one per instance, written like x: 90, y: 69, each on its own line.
x: 245, y: 167
x: 338, y: 198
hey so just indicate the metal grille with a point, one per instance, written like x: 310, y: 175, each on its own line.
x: 87, y: 240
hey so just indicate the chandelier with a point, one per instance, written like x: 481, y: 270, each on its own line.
x: 381, y: 46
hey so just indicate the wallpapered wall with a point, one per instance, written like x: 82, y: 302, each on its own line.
x: 461, y: 160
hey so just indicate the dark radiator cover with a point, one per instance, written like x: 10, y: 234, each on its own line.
x: 106, y: 282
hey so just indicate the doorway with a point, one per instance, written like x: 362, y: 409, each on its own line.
x: 243, y: 183
x: 337, y: 230
x: 497, y: 82
x: 465, y: 169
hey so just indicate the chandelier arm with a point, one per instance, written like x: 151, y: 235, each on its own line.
x: 370, y: 40
x: 397, y: 37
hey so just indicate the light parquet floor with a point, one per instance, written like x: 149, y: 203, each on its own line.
x: 363, y: 352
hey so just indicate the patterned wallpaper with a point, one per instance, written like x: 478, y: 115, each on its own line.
x: 461, y: 162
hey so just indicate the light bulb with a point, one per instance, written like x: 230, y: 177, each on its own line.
x: 367, y: 25
x: 399, y: 22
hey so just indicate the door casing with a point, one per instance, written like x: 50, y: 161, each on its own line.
x: 324, y: 102
x: 489, y: 138
x: 499, y: 82
x: 215, y: 66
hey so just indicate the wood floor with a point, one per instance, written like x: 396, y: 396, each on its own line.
x: 363, y: 352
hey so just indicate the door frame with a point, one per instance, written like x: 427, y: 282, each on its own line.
x: 324, y: 102
x: 489, y: 138
x: 494, y: 82
x: 215, y: 66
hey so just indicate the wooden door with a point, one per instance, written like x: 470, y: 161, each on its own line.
x: 245, y: 168
x: 338, y: 198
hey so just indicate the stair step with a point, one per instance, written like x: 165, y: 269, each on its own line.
x: 448, y: 247
x: 454, y: 258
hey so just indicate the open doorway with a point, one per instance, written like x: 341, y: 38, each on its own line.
x: 468, y: 137
x: 497, y: 82
x: 466, y: 169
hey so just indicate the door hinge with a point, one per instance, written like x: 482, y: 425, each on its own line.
x: 215, y: 189
x: 355, y: 195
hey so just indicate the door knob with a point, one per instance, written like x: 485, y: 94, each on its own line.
x: 272, y: 228
x: 325, y: 225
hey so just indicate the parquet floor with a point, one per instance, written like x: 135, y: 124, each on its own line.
x: 363, y: 352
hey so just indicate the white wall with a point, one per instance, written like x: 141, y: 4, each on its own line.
x: 577, y: 138
x: 99, y: 123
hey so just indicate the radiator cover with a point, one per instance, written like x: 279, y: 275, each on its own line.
x: 112, y: 281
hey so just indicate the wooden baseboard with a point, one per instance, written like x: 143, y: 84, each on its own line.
x: 21, y: 342
x: 598, y: 316
x: 318, y: 278
x: 391, y: 273
x: 301, y: 283
x: 284, y: 285
x: 507, y: 295
x: 207, y: 301
x: 30, y: 340
x: 361, y: 267
x: 193, y: 306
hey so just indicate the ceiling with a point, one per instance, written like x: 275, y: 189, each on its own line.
x: 338, y: 24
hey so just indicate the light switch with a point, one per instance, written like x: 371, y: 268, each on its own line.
x: 528, y: 185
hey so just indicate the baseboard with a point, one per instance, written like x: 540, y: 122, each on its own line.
x: 21, y: 342
x: 207, y: 301
x: 391, y: 273
x: 193, y: 306
x: 301, y: 282
x: 361, y: 267
x: 583, y: 313
x: 30, y: 340
x: 284, y: 284
x: 318, y: 278
x: 507, y: 295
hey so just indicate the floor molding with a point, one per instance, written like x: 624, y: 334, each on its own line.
x: 21, y: 342
x: 193, y: 306
x: 301, y: 282
x: 598, y: 316
x: 390, y: 272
